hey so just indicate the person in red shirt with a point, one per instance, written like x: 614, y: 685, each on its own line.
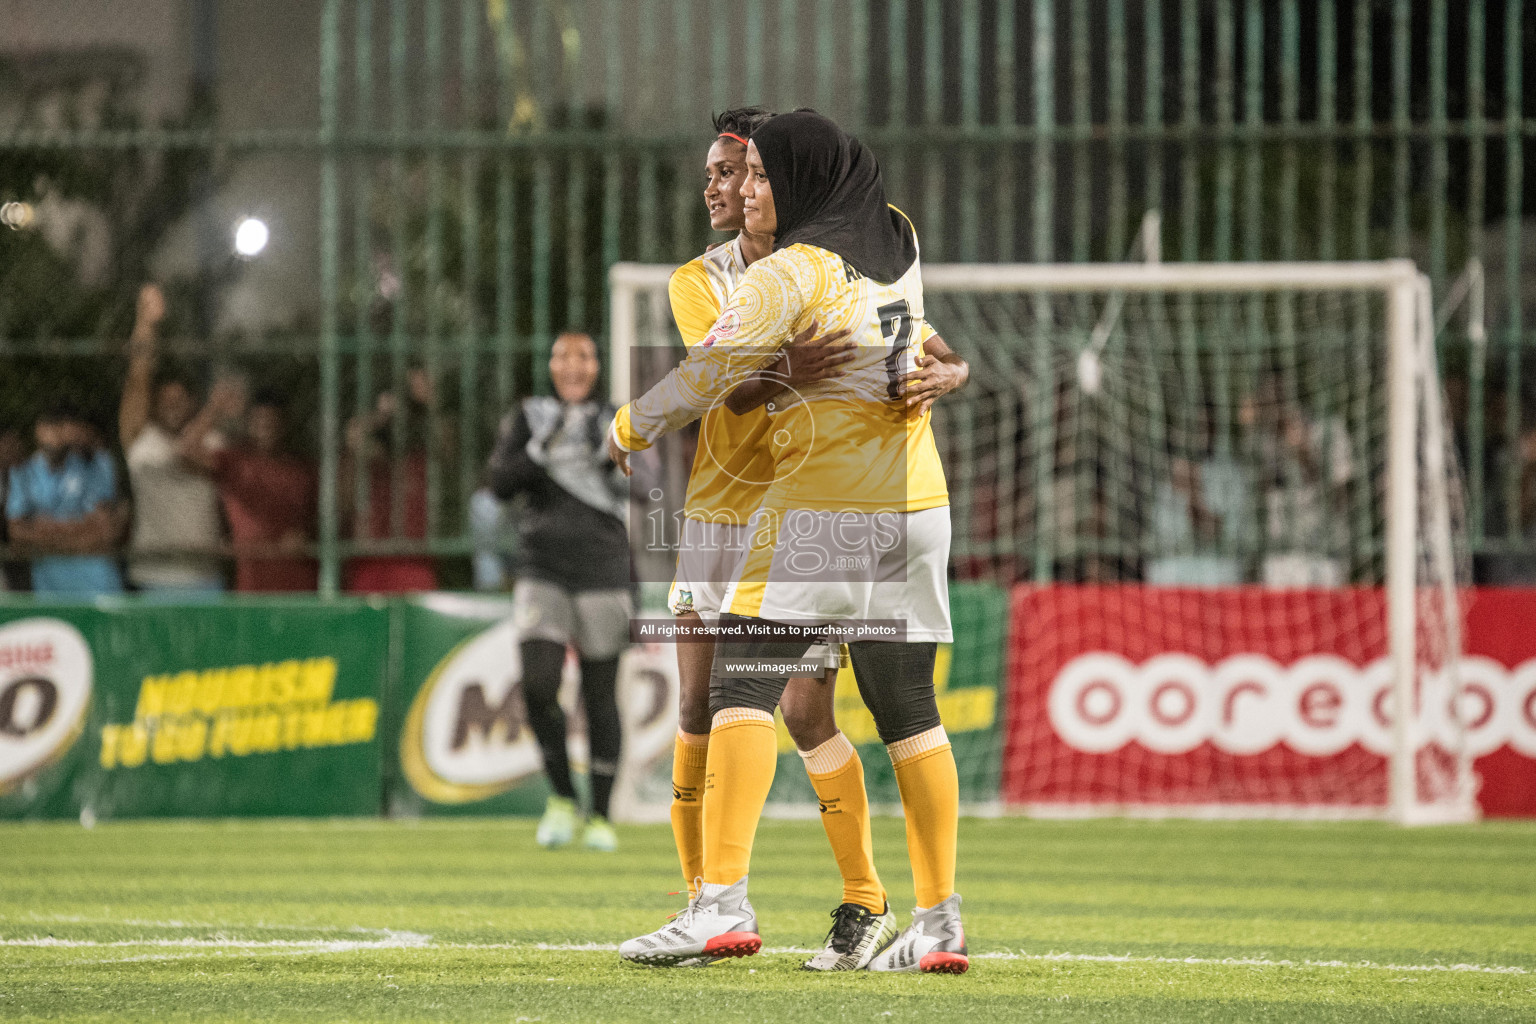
x: 393, y: 479
x: 268, y: 493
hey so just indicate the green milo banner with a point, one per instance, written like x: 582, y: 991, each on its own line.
x: 242, y: 707
x: 464, y: 744
x: 304, y: 707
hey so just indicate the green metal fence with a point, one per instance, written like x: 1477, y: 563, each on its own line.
x: 481, y: 162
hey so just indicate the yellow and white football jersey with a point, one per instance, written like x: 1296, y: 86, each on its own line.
x: 732, y: 467
x: 844, y: 444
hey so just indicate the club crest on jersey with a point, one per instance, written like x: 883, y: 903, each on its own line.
x: 728, y: 324
x: 683, y: 602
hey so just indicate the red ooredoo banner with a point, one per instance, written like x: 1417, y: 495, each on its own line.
x: 1129, y: 695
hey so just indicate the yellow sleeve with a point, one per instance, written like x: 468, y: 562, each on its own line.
x: 695, y: 310
x: 760, y: 318
x: 694, y: 305
x: 625, y: 434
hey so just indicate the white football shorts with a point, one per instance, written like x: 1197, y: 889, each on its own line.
x: 707, y: 560
x: 848, y: 568
x: 706, y: 563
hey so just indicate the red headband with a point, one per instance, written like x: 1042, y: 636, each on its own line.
x: 733, y: 135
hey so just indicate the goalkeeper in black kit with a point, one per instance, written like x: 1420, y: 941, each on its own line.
x: 573, y: 583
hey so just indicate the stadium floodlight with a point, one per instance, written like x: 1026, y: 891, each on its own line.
x: 1239, y: 653
x: 251, y: 235
x: 16, y: 215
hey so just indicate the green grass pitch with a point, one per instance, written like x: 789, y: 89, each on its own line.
x: 466, y: 920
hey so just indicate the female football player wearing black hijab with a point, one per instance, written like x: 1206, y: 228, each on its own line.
x: 829, y: 193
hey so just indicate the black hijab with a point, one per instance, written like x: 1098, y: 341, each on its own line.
x: 827, y: 192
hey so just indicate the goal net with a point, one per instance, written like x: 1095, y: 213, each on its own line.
x: 1223, y: 504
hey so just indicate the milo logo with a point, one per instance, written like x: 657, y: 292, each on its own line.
x: 45, y: 688
x: 466, y: 736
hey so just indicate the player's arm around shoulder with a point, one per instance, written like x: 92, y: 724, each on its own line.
x: 774, y: 297
x: 940, y: 370
x: 760, y: 318
x: 812, y: 355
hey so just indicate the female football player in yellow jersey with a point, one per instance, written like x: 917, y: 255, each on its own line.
x: 853, y: 530
x: 731, y: 472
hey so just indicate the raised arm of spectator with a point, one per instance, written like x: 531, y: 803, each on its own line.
x: 143, y: 343
x: 226, y: 399
x: 359, y: 446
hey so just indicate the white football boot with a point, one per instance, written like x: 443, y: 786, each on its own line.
x: 717, y: 924
x: 933, y: 944
x: 856, y: 936
x: 558, y: 825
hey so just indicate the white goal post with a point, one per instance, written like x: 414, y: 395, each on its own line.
x: 1137, y: 335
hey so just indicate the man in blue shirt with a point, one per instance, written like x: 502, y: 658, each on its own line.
x: 62, y: 505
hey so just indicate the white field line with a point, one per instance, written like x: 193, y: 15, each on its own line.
x: 203, y: 955
x: 132, y: 921
x: 220, y: 931
x: 416, y: 940
x: 1234, y: 961
x: 393, y: 940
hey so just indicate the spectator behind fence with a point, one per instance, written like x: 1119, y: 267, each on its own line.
x: 13, y: 452
x: 268, y: 493
x: 392, y: 474
x: 573, y: 587
x: 175, y: 506
x: 1514, y: 476
x: 62, y: 505
x: 1305, y: 465
x: 1077, y: 503
x: 1203, y: 520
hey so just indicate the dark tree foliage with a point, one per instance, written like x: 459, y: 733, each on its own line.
x: 103, y: 207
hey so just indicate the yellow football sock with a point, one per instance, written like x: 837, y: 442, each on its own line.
x: 838, y: 775
x: 689, y: 755
x: 930, y: 796
x: 743, y: 751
